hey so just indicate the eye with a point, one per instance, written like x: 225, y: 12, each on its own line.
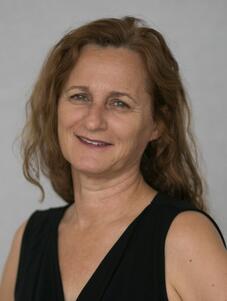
x: 79, y: 97
x: 119, y: 104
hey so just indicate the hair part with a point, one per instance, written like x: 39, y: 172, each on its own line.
x: 169, y: 164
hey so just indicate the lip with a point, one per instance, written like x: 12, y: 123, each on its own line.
x: 101, y: 143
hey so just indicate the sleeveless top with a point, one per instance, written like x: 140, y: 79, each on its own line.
x: 133, y: 269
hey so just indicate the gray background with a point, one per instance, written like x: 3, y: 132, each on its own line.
x: 197, y: 34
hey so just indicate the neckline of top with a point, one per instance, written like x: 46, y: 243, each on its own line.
x: 154, y: 200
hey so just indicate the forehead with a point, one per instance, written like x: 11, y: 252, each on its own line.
x: 118, y: 66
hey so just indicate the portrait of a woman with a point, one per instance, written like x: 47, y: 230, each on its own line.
x: 109, y: 125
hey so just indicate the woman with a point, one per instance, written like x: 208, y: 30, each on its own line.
x: 108, y: 124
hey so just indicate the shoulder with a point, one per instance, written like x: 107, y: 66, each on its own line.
x: 196, y: 258
x: 194, y: 226
x: 33, y: 227
x: 8, y: 279
x: 42, y: 220
x: 175, y: 213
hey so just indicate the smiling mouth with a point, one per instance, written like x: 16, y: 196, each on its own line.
x: 91, y: 142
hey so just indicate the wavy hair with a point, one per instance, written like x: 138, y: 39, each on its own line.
x: 169, y: 164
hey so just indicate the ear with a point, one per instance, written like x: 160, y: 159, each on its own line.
x: 155, y: 132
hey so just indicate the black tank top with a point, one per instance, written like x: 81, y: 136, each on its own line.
x: 133, y: 269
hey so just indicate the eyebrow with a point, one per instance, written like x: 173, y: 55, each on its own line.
x: 112, y: 93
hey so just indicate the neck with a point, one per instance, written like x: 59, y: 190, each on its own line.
x: 99, y: 201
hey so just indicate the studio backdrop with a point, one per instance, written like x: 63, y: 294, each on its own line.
x: 196, y: 32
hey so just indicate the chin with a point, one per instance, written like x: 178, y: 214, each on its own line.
x: 89, y: 168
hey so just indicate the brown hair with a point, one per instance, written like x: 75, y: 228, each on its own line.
x: 168, y: 164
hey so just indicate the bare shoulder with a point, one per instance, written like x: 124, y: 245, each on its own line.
x: 196, y: 258
x: 8, y: 279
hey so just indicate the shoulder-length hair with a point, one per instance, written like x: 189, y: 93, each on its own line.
x: 169, y: 164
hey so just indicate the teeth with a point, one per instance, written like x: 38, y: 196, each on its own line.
x: 92, y: 142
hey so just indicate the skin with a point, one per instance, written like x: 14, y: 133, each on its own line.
x: 100, y: 102
x: 107, y: 183
x: 196, y: 260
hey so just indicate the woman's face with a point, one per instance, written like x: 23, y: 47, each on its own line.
x: 104, y: 112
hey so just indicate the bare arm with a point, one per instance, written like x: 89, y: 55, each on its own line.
x: 196, y: 259
x: 8, y: 280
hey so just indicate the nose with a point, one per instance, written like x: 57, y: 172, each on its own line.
x: 95, y: 118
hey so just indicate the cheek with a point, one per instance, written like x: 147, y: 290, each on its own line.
x: 131, y: 132
x: 65, y: 121
x: 62, y: 116
x: 66, y: 117
x: 140, y: 133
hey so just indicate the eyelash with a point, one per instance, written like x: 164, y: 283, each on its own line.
x: 78, y: 97
x: 84, y: 98
x: 123, y: 104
